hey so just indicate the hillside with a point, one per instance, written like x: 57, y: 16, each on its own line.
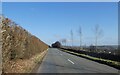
x: 20, y: 49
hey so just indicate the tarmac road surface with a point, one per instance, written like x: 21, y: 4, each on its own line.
x: 57, y: 61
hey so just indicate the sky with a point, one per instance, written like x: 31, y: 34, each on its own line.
x: 59, y: 0
x: 52, y: 21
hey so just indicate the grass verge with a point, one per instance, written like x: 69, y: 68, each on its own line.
x: 38, y: 61
x: 111, y: 63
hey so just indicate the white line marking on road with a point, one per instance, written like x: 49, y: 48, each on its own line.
x: 71, y: 61
x: 60, y: 54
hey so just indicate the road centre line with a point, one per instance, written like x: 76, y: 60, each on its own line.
x: 71, y: 61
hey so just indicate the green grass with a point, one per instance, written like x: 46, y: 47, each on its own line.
x: 95, y: 58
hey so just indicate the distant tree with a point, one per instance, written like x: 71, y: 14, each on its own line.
x: 64, y: 41
x: 71, y: 32
x: 57, y: 44
x: 98, y: 34
x: 80, y: 34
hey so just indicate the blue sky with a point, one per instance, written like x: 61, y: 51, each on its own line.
x: 60, y: 0
x: 53, y: 21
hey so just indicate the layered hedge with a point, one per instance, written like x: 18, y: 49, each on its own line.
x: 18, y: 43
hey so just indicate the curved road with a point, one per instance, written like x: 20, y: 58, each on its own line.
x: 57, y: 61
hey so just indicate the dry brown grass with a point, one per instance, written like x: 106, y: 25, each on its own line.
x: 24, y: 66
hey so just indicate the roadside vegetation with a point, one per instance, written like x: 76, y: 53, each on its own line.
x: 21, y: 51
x: 113, y: 63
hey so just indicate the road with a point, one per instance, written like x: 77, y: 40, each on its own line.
x: 57, y: 61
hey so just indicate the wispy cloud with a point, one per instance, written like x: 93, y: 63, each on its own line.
x: 57, y: 36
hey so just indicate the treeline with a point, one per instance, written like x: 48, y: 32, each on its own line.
x: 18, y: 43
x: 57, y: 44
